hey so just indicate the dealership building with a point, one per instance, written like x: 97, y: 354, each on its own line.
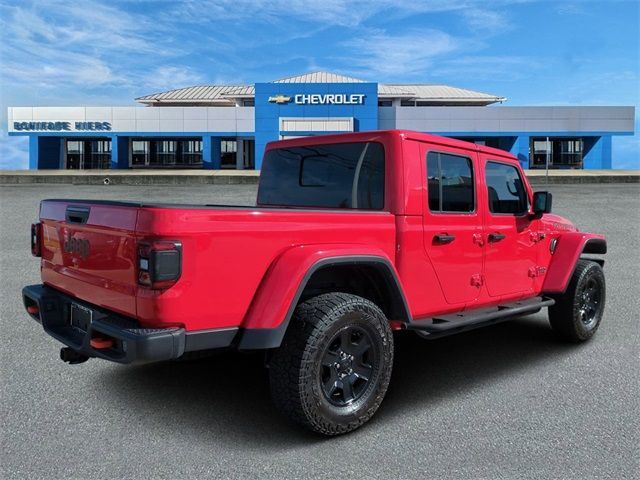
x: 228, y: 126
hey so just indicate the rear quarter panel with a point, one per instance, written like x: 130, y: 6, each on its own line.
x: 287, y: 275
x: 227, y: 252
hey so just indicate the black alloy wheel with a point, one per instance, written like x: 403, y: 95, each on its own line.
x: 347, y: 365
x: 578, y: 312
x: 589, y: 302
x: 333, y: 368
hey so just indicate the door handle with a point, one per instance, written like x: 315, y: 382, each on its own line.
x: 496, y: 237
x: 442, y: 239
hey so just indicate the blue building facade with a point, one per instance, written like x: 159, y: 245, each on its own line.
x: 228, y: 126
x: 299, y: 101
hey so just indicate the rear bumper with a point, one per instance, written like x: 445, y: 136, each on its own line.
x: 129, y: 342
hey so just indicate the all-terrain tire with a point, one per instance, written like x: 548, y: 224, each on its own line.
x: 577, y: 313
x: 333, y: 343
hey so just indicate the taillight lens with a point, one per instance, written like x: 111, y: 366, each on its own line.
x: 159, y: 263
x: 36, y: 234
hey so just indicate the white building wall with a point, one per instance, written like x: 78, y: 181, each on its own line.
x: 508, y: 119
x: 234, y: 120
x: 141, y: 119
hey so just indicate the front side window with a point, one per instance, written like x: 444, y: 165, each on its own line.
x: 340, y: 175
x: 506, y: 191
x: 450, y: 183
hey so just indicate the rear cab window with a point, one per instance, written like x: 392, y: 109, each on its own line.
x: 339, y: 175
x: 506, y: 191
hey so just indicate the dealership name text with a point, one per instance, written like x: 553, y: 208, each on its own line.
x: 62, y: 126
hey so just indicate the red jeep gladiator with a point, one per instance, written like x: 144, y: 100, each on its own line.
x: 353, y: 236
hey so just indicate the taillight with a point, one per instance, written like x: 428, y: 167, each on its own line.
x: 159, y: 263
x: 36, y: 233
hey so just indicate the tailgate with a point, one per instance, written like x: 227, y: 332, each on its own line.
x: 89, y: 251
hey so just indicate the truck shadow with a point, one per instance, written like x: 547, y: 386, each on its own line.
x: 226, y: 397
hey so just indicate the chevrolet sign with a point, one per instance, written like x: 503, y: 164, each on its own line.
x: 330, y: 99
x: 320, y: 99
x: 279, y: 99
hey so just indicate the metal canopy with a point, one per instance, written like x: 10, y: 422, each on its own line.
x: 226, y: 95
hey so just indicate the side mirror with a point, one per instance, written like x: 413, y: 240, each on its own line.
x: 542, y: 203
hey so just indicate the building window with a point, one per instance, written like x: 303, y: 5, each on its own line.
x: 74, y: 154
x: 166, y: 153
x: 570, y: 152
x: 249, y: 160
x: 248, y: 102
x: 191, y: 152
x: 385, y: 103
x: 450, y: 183
x: 99, y: 154
x: 85, y: 154
x: 140, y: 153
x: 564, y: 153
x: 228, y: 151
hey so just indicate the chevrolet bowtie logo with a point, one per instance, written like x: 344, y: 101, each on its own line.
x: 279, y: 99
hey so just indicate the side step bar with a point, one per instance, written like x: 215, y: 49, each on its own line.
x: 454, y: 323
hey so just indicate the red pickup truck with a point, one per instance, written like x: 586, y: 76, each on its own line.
x: 353, y: 236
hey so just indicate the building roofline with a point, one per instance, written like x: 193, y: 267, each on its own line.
x: 309, y: 77
x: 225, y: 94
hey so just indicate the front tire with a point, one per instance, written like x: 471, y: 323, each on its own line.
x: 333, y: 368
x: 577, y: 313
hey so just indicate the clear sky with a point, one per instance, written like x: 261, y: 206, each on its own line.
x: 66, y: 52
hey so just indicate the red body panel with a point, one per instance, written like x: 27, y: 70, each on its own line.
x: 281, y: 283
x: 455, y: 263
x: 563, y: 261
x: 507, y: 263
x: 107, y: 277
x: 227, y: 252
x: 242, y: 266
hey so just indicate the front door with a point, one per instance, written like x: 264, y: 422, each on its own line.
x: 511, y: 241
x: 452, y: 225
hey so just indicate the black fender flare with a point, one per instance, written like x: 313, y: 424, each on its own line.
x: 265, y: 338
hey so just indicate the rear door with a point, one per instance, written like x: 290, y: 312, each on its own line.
x: 452, y: 226
x: 511, y: 243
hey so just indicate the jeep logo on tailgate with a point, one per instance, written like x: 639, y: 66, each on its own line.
x: 78, y: 246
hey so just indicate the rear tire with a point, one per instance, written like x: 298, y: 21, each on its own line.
x: 577, y: 313
x: 333, y: 368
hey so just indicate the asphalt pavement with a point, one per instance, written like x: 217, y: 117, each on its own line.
x: 503, y: 402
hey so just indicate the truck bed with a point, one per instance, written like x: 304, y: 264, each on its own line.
x: 226, y: 251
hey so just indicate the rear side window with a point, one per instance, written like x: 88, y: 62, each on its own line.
x: 340, y: 175
x: 450, y: 183
x: 505, y: 189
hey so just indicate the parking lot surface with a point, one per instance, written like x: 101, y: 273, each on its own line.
x: 503, y: 402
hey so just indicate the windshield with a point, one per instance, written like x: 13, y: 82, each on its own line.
x: 339, y: 175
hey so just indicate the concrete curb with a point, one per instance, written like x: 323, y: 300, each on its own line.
x: 130, y: 178
x: 539, y: 180
x: 251, y: 177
